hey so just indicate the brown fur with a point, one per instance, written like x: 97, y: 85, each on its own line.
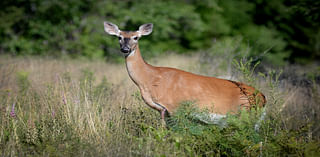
x: 164, y: 89
x: 169, y: 87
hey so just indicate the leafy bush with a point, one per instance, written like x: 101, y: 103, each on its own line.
x: 74, y: 27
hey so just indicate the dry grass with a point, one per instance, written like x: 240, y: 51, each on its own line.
x: 89, y: 108
x: 65, y: 91
x: 45, y: 70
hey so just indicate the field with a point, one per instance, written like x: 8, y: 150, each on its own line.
x: 79, y: 107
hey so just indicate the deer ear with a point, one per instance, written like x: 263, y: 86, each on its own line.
x: 111, y: 28
x: 145, y: 29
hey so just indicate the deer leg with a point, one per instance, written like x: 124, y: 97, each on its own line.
x: 146, y: 96
x: 163, y: 113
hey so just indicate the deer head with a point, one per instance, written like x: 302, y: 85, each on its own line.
x: 128, y: 39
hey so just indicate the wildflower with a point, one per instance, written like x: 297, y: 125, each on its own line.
x: 64, y: 99
x: 12, y: 114
x: 53, y: 114
x: 9, y: 94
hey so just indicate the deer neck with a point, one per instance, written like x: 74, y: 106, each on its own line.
x: 138, y: 70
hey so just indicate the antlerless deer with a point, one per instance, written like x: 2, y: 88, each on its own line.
x: 164, y: 89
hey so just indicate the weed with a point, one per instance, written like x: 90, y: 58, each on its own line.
x: 69, y: 110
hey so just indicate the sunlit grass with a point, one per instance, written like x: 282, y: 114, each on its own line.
x: 53, y: 107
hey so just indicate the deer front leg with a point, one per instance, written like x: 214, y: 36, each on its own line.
x: 163, y: 113
x: 148, y: 100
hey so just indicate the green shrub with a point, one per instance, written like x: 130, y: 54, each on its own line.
x: 74, y: 27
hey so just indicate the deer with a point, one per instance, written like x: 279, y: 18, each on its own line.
x: 164, y: 88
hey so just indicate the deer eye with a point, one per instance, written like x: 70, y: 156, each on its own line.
x: 135, y: 38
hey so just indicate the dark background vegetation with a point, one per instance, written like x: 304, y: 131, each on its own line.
x: 288, y: 29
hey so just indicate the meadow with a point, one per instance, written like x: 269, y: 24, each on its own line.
x: 80, y: 107
x: 64, y: 89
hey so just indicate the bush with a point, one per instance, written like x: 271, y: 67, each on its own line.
x: 74, y: 27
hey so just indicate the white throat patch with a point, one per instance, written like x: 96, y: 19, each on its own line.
x: 132, y: 53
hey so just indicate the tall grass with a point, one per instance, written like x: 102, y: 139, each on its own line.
x: 67, y: 107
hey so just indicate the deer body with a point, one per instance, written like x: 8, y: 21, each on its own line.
x: 165, y: 88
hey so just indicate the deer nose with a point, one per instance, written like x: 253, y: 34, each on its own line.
x: 125, y: 49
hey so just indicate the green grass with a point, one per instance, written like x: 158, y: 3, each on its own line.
x: 78, y: 110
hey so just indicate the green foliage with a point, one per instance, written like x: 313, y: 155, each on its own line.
x: 262, y: 39
x: 74, y: 27
x: 237, y: 139
x: 185, y: 121
x: 297, y: 24
x: 246, y: 69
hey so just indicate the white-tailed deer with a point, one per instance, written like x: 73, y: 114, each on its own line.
x: 165, y: 88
